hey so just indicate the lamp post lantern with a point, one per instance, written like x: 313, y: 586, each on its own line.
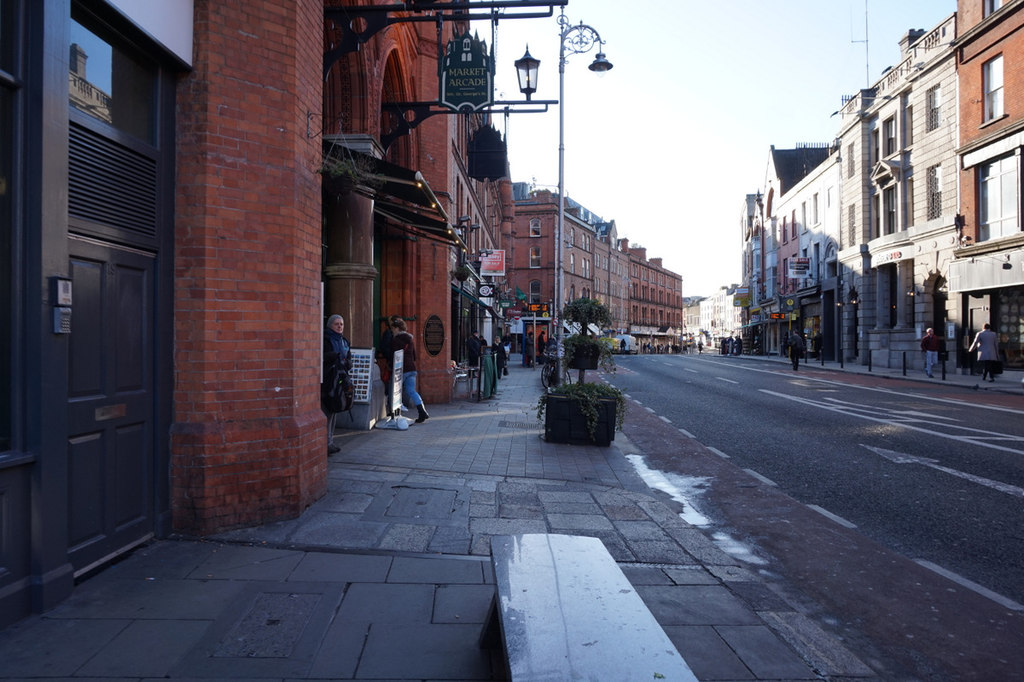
x: 572, y: 39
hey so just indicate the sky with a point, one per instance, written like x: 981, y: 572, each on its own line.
x: 672, y: 139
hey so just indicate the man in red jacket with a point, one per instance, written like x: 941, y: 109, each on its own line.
x: 930, y: 345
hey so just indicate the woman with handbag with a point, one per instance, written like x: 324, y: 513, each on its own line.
x: 337, y: 363
x: 987, y: 345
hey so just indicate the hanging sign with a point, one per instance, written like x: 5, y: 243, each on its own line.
x: 492, y: 264
x: 466, y: 77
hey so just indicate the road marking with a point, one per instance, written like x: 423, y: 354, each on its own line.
x: 973, y: 586
x: 979, y: 439
x: 902, y: 458
x: 717, y: 452
x: 728, y: 381
x: 763, y: 479
x: 691, y: 371
x: 687, y: 434
x: 665, y: 419
x: 649, y: 409
x: 838, y: 519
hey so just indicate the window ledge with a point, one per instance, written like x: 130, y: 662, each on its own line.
x: 993, y: 121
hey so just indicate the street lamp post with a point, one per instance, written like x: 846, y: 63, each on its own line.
x: 572, y: 39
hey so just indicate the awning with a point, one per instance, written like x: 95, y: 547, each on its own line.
x: 403, y: 195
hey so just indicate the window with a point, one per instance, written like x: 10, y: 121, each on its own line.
x: 876, y: 149
x: 934, y: 191
x: 785, y: 232
x: 910, y: 202
x: 803, y: 216
x: 792, y: 224
x: 535, y: 227
x: 111, y: 85
x: 998, y: 199
x: 933, y: 102
x: 851, y: 225
x: 908, y: 128
x: 534, y: 256
x: 991, y: 6
x: 572, y: 263
x: 992, y: 81
x: 889, y: 209
x: 814, y: 209
x: 535, y: 291
x: 889, y: 130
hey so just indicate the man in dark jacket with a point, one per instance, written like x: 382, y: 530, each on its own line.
x: 473, y: 349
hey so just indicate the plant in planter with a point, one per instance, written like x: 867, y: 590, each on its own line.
x: 462, y: 273
x: 582, y: 413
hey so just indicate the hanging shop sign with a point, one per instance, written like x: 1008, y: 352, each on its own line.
x: 492, y: 264
x: 485, y: 290
x: 466, y: 74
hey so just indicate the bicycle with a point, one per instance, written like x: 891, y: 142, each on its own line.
x: 553, y: 373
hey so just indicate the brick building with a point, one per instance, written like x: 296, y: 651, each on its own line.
x: 174, y: 246
x: 987, y: 276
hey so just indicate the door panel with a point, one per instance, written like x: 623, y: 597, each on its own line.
x: 111, y: 405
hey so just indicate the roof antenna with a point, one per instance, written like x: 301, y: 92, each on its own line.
x: 867, y: 64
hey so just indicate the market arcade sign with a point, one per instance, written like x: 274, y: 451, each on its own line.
x: 466, y: 77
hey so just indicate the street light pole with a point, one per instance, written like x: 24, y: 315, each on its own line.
x: 572, y: 40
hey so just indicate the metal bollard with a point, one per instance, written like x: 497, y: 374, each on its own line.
x: 869, y: 360
x: 904, y: 363
x: 943, y: 369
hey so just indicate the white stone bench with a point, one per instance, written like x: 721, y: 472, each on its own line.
x: 564, y: 610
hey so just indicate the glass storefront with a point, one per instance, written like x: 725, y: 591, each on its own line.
x: 8, y: 34
x: 1008, y: 319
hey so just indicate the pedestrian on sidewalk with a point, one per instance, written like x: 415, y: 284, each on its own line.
x: 403, y: 341
x: 930, y: 345
x: 796, y: 349
x: 473, y: 349
x: 987, y: 345
x: 528, y: 350
x: 500, y: 357
x: 336, y: 389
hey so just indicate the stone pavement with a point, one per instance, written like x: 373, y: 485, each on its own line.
x: 387, y: 577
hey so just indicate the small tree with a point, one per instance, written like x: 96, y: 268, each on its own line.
x: 583, y: 349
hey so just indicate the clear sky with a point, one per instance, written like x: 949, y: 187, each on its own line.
x: 671, y: 140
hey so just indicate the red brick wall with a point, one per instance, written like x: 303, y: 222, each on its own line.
x: 1005, y: 37
x: 248, y: 440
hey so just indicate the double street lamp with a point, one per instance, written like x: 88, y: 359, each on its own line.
x: 572, y: 39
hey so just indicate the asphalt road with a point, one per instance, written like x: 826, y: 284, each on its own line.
x: 893, y: 510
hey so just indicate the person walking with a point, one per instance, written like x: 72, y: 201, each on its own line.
x: 542, y: 344
x: 337, y: 363
x: 403, y: 341
x: 931, y: 345
x: 796, y: 349
x: 987, y: 345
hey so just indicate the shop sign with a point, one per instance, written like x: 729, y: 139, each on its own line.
x: 492, y: 264
x: 433, y: 335
x: 799, y: 268
x: 485, y: 290
x: 466, y: 77
x: 890, y: 256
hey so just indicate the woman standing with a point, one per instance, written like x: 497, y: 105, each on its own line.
x: 403, y: 341
x: 337, y: 362
x: 500, y: 358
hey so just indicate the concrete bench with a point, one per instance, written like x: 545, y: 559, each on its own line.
x: 564, y: 610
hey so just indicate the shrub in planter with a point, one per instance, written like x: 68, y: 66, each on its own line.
x: 582, y: 413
